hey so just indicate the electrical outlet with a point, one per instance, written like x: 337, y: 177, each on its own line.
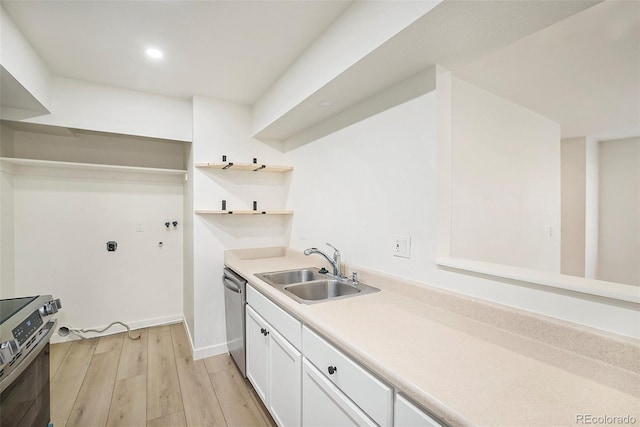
x: 402, y: 246
x: 139, y: 228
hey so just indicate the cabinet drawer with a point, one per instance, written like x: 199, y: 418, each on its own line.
x: 287, y: 325
x: 323, y: 405
x: 409, y: 415
x: 370, y: 394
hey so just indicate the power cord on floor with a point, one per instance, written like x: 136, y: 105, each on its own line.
x: 65, y: 330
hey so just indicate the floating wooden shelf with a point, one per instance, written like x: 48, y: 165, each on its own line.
x: 239, y: 212
x: 91, y: 166
x: 254, y: 167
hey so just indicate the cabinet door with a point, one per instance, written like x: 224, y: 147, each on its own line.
x: 285, y: 385
x: 408, y: 415
x: 323, y: 405
x: 257, y: 353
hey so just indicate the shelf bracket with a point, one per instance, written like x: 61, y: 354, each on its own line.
x: 228, y: 165
x: 261, y: 167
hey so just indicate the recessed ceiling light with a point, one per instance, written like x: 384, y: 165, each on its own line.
x: 154, y: 53
x: 326, y: 104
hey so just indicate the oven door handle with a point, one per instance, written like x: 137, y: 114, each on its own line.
x: 33, y: 353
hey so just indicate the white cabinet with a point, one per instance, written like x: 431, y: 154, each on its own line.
x: 274, y: 367
x: 324, y: 405
x: 325, y: 387
x: 373, y: 396
x: 409, y: 415
x: 257, y: 353
x: 285, y: 388
x: 285, y: 324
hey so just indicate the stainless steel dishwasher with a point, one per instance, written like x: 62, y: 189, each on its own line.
x: 234, y: 304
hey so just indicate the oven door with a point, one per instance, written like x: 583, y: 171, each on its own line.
x: 25, y: 402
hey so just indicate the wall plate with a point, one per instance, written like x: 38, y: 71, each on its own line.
x: 402, y: 246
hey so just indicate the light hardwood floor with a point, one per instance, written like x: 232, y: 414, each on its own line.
x: 153, y: 381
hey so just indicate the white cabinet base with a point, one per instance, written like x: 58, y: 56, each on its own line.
x: 323, y: 405
x: 274, y: 368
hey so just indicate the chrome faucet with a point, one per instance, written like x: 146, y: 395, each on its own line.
x: 335, y: 262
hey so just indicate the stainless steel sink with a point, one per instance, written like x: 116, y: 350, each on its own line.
x: 292, y: 276
x: 324, y: 289
x: 309, y: 286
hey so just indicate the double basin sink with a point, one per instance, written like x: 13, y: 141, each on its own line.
x: 310, y: 285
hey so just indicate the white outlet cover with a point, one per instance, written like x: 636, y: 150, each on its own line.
x: 401, y: 246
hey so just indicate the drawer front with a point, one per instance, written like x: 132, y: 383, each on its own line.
x: 323, y: 405
x: 370, y: 394
x: 409, y: 415
x: 284, y: 323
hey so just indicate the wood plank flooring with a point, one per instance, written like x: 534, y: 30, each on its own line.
x: 153, y: 382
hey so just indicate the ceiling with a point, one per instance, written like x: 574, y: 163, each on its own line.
x: 232, y: 50
x: 453, y: 32
x: 582, y: 72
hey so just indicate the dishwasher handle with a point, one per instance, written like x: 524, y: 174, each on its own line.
x: 231, y: 285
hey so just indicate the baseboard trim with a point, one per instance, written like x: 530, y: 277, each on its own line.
x: 186, y: 328
x: 115, y: 329
x: 198, y: 353
x: 204, y: 352
x: 212, y: 350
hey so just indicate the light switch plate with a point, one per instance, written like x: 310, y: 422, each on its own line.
x: 402, y: 246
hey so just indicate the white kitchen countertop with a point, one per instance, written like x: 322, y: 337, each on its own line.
x: 465, y: 371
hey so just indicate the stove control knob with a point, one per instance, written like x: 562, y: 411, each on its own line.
x: 7, y: 350
x: 49, y: 308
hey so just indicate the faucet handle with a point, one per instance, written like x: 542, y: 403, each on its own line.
x: 333, y: 247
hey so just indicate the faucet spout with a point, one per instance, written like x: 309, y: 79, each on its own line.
x: 335, y: 261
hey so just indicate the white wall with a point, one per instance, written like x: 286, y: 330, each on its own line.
x: 7, y: 260
x: 579, y: 191
x: 63, y: 220
x: 359, y: 186
x: 619, y: 226
x: 90, y: 106
x: 505, y: 178
x: 60, y: 219
x: 91, y: 147
x: 222, y: 128
x: 592, y: 210
x: 573, y: 192
x: 6, y: 141
x: 356, y: 33
x: 21, y: 61
x: 188, y: 255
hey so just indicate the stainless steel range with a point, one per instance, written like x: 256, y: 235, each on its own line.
x: 26, y: 325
